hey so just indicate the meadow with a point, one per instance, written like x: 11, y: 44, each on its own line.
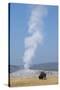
x: 32, y: 81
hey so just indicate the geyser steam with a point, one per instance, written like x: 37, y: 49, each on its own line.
x: 35, y: 36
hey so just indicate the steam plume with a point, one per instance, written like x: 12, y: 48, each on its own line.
x: 35, y: 35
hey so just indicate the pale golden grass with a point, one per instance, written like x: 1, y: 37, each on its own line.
x: 14, y: 82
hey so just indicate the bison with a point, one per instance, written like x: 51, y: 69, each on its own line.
x: 42, y: 75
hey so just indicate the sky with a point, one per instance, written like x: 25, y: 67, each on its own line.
x: 19, y: 18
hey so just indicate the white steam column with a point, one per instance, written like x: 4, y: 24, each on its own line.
x: 35, y: 35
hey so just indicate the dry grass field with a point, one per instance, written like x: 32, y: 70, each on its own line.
x: 34, y: 81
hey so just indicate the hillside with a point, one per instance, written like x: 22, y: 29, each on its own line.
x: 46, y: 66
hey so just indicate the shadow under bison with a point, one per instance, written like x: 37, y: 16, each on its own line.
x: 42, y: 75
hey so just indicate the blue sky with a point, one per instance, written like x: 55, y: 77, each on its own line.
x: 19, y: 17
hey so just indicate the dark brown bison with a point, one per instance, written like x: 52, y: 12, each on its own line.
x: 42, y: 75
